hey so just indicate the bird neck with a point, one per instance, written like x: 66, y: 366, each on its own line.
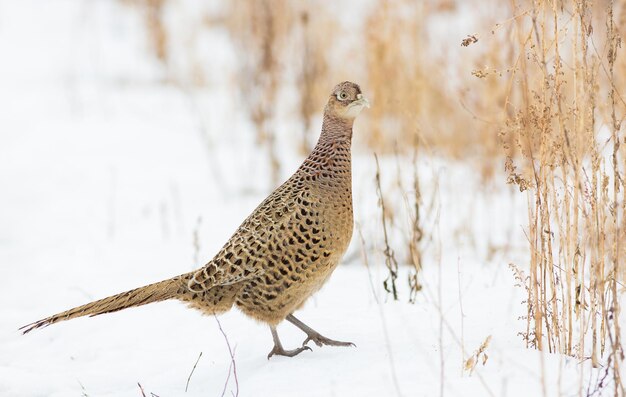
x: 331, y: 155
x: 335, y: 129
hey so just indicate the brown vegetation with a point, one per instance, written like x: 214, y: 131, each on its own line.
x: 563, y: 130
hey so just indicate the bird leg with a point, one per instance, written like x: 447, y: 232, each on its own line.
x: 278, y: 347
x: 315, y: 336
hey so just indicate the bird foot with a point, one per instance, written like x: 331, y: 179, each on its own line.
x: 321, y: 340
x: 280, y: 351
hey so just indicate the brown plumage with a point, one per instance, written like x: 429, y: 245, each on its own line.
x: 282, y: 253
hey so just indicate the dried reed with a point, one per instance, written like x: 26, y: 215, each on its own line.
x: 566, y: 141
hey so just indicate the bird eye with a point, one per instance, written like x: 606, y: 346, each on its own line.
x: 342, y: 96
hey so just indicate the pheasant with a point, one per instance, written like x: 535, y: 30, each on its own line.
x: 282, y: 253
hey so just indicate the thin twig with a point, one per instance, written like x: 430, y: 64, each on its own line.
x: 366, y: 261
x: 196, y: 243
x: 233, y: 365
x: 390, y: 258
x: 143, y: 394
x: 442, y: 374
x: 83, y: 391
x: 458, y: 279
x: 392, y: 364
x: 191, y: 373
x: 209, y: 146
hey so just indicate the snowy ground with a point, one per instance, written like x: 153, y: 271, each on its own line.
x: 103, y: 186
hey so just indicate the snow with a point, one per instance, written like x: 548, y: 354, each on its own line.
x: 105, y: 182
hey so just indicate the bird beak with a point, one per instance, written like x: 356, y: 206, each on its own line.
x: 361, y: 101
x: 356, y: 106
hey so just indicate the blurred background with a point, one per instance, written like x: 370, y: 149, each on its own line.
x: 134, y: 133
x: 273, y: 64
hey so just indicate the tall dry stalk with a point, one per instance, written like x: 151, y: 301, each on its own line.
x: 259, y: 29
x: 390, y: 257
x: 394, y: 43
x: 312, y: 79
x: 156, y: 30
x: 416, y: 234
x: 566, y: 140
x: 612, y: 312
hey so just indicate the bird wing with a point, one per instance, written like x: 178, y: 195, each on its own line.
x: 244, y: 255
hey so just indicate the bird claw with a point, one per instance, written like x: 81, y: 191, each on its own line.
x: 321, y: 340
x: 280, y: 351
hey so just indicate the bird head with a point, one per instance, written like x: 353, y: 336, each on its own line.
x: 346, y: 101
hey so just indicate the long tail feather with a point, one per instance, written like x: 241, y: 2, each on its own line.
x: 156, y: 292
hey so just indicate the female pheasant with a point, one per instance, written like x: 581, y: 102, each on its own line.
x: 282, y: 253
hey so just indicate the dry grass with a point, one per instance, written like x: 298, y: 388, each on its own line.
x: 153, y: 14
x: 259, y: 30
x: 479, y: 356
x: 390, y: 257
x: 565, y: 138
x: 314, y: 27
